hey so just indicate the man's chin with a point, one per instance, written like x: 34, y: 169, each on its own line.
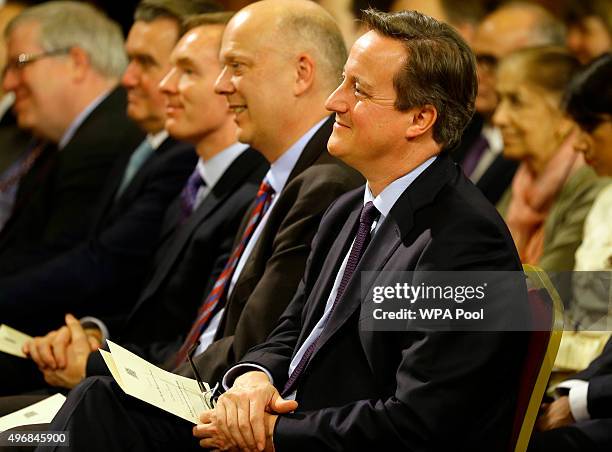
x: 244, y: 136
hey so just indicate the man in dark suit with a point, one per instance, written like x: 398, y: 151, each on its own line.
x: 64, y: 80
x: 349, y: 387
x: 284, y: 117
x: 104, y: 274
x: 510, y: 27
x: 580, y: 420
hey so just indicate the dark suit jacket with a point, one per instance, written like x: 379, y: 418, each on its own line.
x: 599, y: 376
x: 188, y: 257
x: 413, y: 390
x: 104, y: 274
x: 498, y: 176
x: 56, y: 201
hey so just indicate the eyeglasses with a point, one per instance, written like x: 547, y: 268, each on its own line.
x: 209, y: 395
x: 23, y: 59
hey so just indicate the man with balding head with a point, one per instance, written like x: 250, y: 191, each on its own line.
x: 513, y: 26
x: 280, y: 61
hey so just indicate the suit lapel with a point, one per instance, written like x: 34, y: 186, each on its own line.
x: 383, y: 245
x: 329, y: 270
x: 108, y: 197
x: 234, y: 176
x: 312, y: 151
x: 380, y: 249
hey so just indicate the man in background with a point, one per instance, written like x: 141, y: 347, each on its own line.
x: 64, y: 60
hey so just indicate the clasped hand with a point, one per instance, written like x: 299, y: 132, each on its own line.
x: 244, y: 416
x: 62, y: 354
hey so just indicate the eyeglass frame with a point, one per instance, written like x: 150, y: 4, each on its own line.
x: 24, y: 59
x: 216, y: 389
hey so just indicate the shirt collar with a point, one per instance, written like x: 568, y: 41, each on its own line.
x: 385, y: 201
x: 494, y: 138
x: 156, y: 139
x: 281, y: 168
x: 76, y: 123
x: 212, y: 169
x: 6, y: 102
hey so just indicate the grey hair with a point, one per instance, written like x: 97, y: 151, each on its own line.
x: 67, y: 24
x: 547, y: 29
x: 320, y: 34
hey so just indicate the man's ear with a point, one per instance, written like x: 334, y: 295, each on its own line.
x: 421, y: 120
x: 80, y: 63
x: 304, y: 74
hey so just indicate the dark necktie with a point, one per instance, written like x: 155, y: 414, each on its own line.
x: 190, y: 193
x: 368, y: 214
x: 211, y: 303
x: 474, y: 154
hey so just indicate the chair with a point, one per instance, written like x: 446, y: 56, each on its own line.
x: 547, y: 318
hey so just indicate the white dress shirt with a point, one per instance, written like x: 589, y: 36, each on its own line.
x: 496, y: 147
x: 212, y: 169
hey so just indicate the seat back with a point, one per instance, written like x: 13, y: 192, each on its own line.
x: 547, y: 321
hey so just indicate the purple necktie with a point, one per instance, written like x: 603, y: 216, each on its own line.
x: 368, y: 214
x: 474, y: 154
x: 189, y: 194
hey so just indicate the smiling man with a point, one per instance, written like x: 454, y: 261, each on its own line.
x: 64, y: 62
x: 324, y: 381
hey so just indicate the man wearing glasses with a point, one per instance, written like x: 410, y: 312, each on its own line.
x: 64, y: 61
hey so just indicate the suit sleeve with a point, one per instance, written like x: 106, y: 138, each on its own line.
x: 599, y: 397
x: 284, y: 269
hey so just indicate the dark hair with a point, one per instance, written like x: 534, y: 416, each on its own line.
x: 358, y: 7
x: 149, y: 10
x: 439, y: 70
x: 465, y: 11
x: 198, y: 20
x: 578, y: 11
x: 588, y: 99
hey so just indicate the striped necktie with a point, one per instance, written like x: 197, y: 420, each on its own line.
x: 138, y: 158
x: 213, y: 301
